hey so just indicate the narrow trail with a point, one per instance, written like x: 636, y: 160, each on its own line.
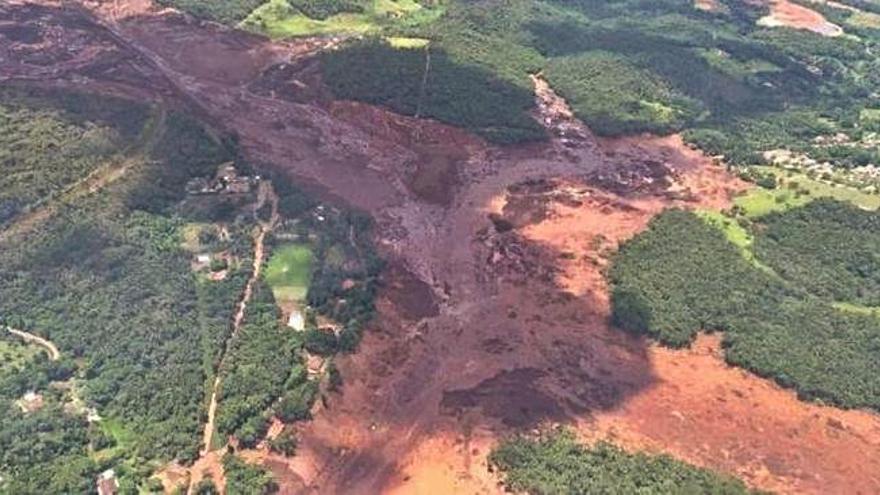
x: 265, y: 193
x: 424, y: 84
x: 51, y: 349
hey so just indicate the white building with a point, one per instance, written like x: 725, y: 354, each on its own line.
x: 297, y: 321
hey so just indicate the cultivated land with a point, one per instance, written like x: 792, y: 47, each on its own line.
x: 493, y: 316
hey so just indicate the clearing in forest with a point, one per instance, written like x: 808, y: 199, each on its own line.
x: 797, y: 189
x: 281, y: 18
x: 289, y: 271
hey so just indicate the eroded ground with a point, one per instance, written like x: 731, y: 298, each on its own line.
x: 495, y: 313
x: 791, y: 14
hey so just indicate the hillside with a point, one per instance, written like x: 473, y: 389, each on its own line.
x: 439, y: 246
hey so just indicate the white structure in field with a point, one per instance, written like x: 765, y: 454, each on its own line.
x: 297, y: 321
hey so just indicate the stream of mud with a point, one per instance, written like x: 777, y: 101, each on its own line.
x: 494, y: 316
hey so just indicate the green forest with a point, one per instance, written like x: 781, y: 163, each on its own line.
x: 108, y: 277
x: 682, y: 276
x: 261, y: 364
x: 46, y: 148
x: 556, y: 464
x: 104, y: 277
x: 243, y: 478
x: 375, y: 72
x: 829, y: 248
x: 733, y: 88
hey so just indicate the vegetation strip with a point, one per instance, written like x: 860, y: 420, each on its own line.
x: 682, y: 276
x: 555, y: 463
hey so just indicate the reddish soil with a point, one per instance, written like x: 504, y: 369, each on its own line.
x: 789, y: 14
x: 495, y: 314
x: 710, y: 5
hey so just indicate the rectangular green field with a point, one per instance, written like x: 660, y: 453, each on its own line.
x: 289, y: 271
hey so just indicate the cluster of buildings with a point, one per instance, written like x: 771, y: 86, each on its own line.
x: 226, y: 181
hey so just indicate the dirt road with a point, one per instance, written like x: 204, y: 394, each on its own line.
x: 51, y: 349
x: 207, y: 461
x: 494, y: 315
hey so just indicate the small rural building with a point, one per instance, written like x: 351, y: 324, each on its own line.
x: 297, y: 321
x: 226, y: 181
x: 92, y: 415
x: 30, y: 402
x: 107, y: 483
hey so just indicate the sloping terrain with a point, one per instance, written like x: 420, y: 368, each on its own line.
x: 494, y: 313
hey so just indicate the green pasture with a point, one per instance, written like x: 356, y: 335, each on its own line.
x: 289, y: 271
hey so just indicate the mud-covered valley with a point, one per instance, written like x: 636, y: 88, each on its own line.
x: 494, y: 310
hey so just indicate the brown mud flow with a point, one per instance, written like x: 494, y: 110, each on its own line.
x: 494, y: 318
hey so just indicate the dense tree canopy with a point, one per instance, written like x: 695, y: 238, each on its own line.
x: 555, y: 464
x: 682, y: 276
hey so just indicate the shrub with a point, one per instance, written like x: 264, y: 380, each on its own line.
x: 296, y: 403
x: 285, y: 443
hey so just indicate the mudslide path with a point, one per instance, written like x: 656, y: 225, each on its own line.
x: 493, y: 317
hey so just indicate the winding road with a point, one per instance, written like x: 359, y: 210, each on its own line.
x: 51, y: 349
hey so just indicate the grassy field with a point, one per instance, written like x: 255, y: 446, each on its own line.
x: 289, y: 272
x: 278, y: 19
x: 404, y: 42
x: 759, y: 201
x: 735, y: 233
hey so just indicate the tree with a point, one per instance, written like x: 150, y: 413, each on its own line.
x: 206, y: 487
x: 285, y: 443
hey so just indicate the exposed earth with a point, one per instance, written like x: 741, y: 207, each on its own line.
x: 495, y: 314
x: 786, y: 13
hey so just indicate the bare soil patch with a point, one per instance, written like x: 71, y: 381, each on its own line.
x: 211, y: 52
x: 514, y: 397
x: 789, y: 14
x: 715, y: 415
